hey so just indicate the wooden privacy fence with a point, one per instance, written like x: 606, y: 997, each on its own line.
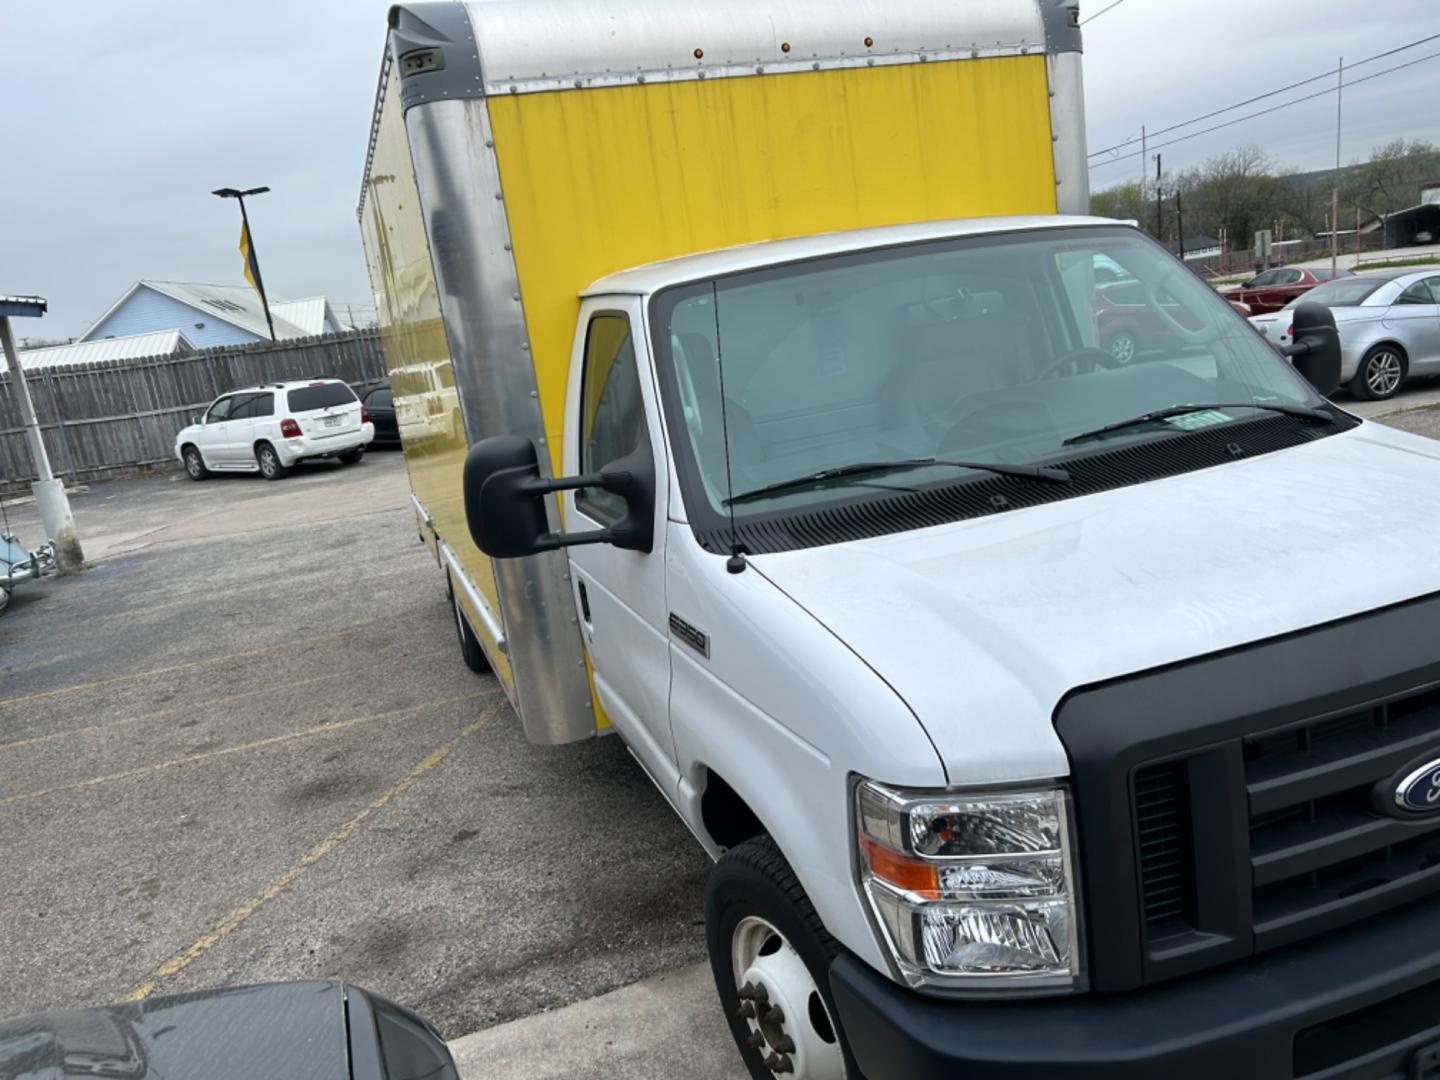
x: 106, y: 418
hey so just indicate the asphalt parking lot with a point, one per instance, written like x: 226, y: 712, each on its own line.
x: 244, y: 747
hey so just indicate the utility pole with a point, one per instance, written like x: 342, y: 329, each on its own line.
x: 1159, y: 204
x: 252, y: 259
x: 1335, y: 192
x: 1180, y: 222
x: 50, y: 498
x: 1144, y: 163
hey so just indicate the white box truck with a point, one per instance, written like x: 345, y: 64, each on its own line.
x: 1045, y: 714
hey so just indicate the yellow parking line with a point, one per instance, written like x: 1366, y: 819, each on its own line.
x: 238, y: 915
x: 319, y: 729
x: 32, y: 740
x: 174, y: 667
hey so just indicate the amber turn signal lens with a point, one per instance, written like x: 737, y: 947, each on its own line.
x: 904, y: 872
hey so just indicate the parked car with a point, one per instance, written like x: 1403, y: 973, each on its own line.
x: 1128, y: 326
x: 1389, y: 326
x: 1273, y: 289
x: 279, y: 1031
x: 380, y: 405
x: 268, y: 428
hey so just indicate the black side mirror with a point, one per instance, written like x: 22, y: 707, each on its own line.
x: 505, y: 499
x: 1316, y: 349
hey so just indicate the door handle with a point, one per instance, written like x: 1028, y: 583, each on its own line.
x: 584, y: 604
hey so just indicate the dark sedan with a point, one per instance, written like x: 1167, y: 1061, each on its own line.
x: 1273, y: 289
x: 381, y: 407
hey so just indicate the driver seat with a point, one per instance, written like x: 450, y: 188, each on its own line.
x: 985, y: 347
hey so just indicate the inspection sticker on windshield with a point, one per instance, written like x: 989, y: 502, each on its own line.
x: 1191, y: 421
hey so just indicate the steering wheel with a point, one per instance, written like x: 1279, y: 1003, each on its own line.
x: 1207, y: 333
x: 1082, y: 361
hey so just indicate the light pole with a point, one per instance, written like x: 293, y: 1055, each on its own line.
x: 50, y: 498
x: 252, y: 260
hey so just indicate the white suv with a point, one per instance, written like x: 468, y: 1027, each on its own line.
x: 267, y: 429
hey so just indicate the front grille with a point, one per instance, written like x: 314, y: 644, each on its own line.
x: 1162, y: 833
x: 1321, y: 853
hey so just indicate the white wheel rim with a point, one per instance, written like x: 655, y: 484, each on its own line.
x: 782, y: 1007
x: 1383, y: 374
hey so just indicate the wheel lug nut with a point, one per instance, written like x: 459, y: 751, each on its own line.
x: 784, y: 1065
x: 745, y: 1011
x: 775, y: 1015
x: 772, y: 1063
x: 757, y: 1039
x: 746, y: 992
x: 760, y: 993
x: 785, y: 1044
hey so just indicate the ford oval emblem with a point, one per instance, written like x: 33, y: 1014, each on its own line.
x: 1419, y: 791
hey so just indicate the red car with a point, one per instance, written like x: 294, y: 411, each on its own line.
x: 1127, y: 326
x: 1273, y: 289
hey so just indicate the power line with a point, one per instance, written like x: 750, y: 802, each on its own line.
x: 1263, y: 112
x: 1102, y: 11
x: 1261, y: 97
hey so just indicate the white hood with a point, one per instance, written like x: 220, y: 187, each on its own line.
x: 983, y: 626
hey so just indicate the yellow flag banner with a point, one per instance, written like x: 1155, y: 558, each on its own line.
x: 252, y: 267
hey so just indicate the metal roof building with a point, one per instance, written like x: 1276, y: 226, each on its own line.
x: 209, y: 314
x: 130, y: 347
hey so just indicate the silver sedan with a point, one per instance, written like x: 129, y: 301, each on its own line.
x: 1389, y: 327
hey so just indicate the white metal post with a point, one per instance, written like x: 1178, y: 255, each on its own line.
x: 50, y: 498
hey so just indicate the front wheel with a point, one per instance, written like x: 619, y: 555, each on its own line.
x: 1379, y: 374
x: 269, y: 461
x: 770, y: 955
x: 1122, y: 346
x: 195, y: 464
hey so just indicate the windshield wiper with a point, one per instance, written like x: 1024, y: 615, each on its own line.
x: 863, y: 468
x: 1310, y: 412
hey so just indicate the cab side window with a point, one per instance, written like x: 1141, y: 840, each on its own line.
x: 612, y: 412
x: 219, y: 411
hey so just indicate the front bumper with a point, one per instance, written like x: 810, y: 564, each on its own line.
x: 1364, y: 1002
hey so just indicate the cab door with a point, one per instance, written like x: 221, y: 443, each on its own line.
x: 247, y: 418
x: 611, y: 411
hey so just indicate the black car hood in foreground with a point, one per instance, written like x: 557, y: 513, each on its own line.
x: 277, y: 1032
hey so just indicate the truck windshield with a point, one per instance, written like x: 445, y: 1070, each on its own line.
x: 990, y: 349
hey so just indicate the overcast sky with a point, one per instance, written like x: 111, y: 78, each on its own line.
x: 122, y: 115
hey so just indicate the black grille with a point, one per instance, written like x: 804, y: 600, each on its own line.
x: 1321, y: 852
x: 945, y: 502
x: 1163, y: 835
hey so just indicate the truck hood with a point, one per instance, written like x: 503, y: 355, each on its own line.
x: 982, y: 626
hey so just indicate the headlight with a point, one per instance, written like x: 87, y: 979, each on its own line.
x: 972, y: 890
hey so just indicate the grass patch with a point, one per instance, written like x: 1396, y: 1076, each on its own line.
x: 1387, y: 264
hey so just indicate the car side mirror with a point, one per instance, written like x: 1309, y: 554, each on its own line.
x: 505, y: 499
x: 1316, y: 349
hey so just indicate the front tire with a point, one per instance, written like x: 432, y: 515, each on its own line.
x: 470, y: 650
x: 770, y: 955
x: 1380, y: 373
x: 269, y: 461
x: 195, y: 464
x: 351, y: 457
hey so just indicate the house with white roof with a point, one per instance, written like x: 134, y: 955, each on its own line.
x: 108, y: 350
x: 210, y: 315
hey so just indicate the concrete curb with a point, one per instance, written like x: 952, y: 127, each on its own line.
x: 668, y: 1026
